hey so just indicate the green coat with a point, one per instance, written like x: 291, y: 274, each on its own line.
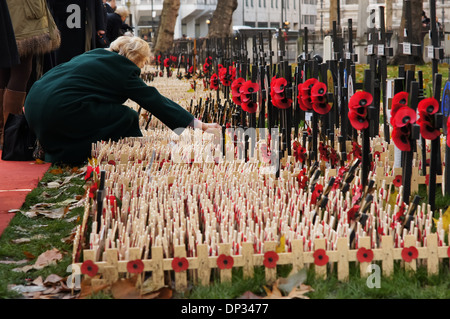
x: 81, y: 102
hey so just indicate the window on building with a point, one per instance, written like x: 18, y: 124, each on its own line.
x: 246, y: 3
x: 197, y: 30
x: 251, y: 3
x: 271, y: 3
x: 276, y: 3
x: 264, y: 3
x: 262, y: 24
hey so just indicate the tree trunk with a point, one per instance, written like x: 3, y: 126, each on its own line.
x: 333, y: 13
x: 166, y: 30
x: 415, y: 34
x: 220, y: 26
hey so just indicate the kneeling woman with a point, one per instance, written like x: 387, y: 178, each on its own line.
x: 81, y: 101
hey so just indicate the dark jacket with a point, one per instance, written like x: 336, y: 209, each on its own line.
x: 73, y: 17
x: 113, y: 26
x: 81, y: 102
x: 9, y: 55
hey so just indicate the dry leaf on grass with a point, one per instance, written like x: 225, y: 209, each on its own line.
x: 49, y: 257
x: 292, y: 281
x: 295, y: 293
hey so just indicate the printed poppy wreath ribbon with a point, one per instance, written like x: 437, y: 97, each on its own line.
x: 180, y: 264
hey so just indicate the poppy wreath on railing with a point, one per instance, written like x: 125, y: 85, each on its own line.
x: 357, y: 110
x: 235, y: 93
x: 247, y: 89
x: 402, y: 117
x: 278, y: 93
x: 167, y: 62
x: 427, y: 108
x: 304, y: 94
x: 207, y: 65
x: 227, y: 76
x: 214, y: 82
x: 319, y: 98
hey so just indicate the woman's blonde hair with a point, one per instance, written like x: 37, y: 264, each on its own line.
x: 134, y: 48
x: 122, y: 11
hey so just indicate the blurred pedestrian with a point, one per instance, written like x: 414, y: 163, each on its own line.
x: 35, y: 33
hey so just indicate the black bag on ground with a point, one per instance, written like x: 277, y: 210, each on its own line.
x: 19, y: 139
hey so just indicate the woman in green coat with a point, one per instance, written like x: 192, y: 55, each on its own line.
x: 81, y: 102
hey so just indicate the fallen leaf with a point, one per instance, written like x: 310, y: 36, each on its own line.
x: 47, y: 258
x: 299, y: 292
x: 15, y: 262
x: 56, y: 171
x: 292, y: 281
x: 125, y: 289
x: 29, y: 255
x: 38, y: 281
x: 52, y: 280
x: 86, y: 289
x: 281, y: 247
x: 275, y: 293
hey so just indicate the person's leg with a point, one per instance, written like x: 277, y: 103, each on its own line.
x: 15, y: 92
x: 4, y: 78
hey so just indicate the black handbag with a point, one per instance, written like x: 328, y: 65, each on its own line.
x: 19, y: 140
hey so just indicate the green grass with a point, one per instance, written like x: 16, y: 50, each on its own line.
x: 52, y: 231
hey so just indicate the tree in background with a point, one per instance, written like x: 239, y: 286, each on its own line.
x: 415, y: 34
x: 220, y: 25
x: 166, y: 30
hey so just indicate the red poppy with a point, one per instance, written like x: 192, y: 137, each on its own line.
x: 429, y: 105
x: 318, y: 89
x: 299, y: 152
x: 351, y: 214
x: 302, y: 179
x: 206, y: 67
x: 320, y: 257
x: 93, y: 190
x: 400, y: 137
x: 358, y: 122
x: 270, y: 259
x: 214, y: 82
x: 427, y: 179
x: 322, y: 108
x: 404, y: 116
x: 318, y: 190
x: 135, y: 266
x: 278, y: 85
x: 225, y: 262
x: 180, y: 264
x: 307, y: 86
x: 166, y: 62
x: 448, y: 251
x: 409, y: 253
x: 400, y: 98
x: 111, y: 162
x: 395, y: 108
x: 448, y: 131
x: 227, y: 75
x: 249, y: 106
x: 248, y: 87
x: 90, y: 172
x: 360, y: 99
x: 191, y: 69
x: 173, y: 59
x: 281, y: 102
x: 89, y: 268
x: 397, y: 181
x: 305, y: 104
x: 236, y: 85
x: 236, y: 99
x: 364, y: 255
x: 112, y: 200
x: 427, y: 129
